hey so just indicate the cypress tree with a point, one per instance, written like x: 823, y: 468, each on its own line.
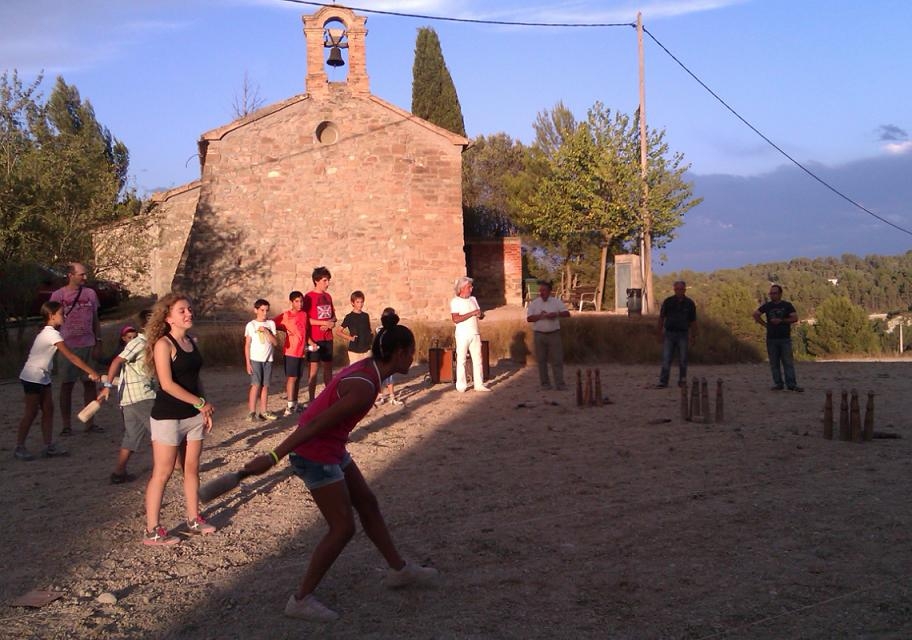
x: 433, y: 92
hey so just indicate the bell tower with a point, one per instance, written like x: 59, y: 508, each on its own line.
x: 333, y: 29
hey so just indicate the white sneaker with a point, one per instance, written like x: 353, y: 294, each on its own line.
x: 289, y: 411
x: 409, y: 574
x: 309, y: 609
x: 482, y: 388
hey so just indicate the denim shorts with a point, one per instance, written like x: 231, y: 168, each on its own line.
x: 317, y: 474
x: 262, y: 371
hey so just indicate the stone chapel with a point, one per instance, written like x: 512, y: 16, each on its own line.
x: 333, y: 177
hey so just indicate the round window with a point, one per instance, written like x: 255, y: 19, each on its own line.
x: 327, y: 133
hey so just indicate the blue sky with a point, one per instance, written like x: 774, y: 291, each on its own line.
x: 828, y: 80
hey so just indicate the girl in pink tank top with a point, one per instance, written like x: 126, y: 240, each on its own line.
x: 316, y: 451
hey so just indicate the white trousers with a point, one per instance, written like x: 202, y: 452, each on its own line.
x: 468, y: 344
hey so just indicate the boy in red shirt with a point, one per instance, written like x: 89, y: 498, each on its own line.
x: 321, y: 314
x: 294, y: 323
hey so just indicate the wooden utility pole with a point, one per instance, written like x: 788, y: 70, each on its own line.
x: 646, y: 238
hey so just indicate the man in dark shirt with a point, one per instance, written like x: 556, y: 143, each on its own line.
x: 677, y: 325
x: 780, y: 316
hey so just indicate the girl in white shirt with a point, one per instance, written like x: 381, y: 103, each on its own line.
x: 36, y: 381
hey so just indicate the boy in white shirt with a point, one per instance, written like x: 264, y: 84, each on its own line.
x: 259, y: 343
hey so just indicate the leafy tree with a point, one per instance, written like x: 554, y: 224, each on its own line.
x: 573, y: 207
x: 19, y: 111
x: 731, y: 305
x: 81, y: 171
x: 553, y: 128
x: 62, y: 173
x: 490, y: 170
x: 587, y: 185
x: 433, y: 92
x: 841, y: 327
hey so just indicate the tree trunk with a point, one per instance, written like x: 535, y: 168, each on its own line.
x: 603, y: 268
x: 567, y: 279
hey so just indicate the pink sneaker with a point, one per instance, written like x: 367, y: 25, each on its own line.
x: 159, y: 537
x: 199, y: 526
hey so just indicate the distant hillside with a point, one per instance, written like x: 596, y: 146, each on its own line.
x: 879, y: 284
x: 785, y: 213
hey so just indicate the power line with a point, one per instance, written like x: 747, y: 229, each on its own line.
x: 508, y: 23
x: 798, y: 164
x: 773, y: 144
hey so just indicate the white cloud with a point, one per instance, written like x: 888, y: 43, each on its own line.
x: 597, y: 11
x: 525, y: 11
x: 897, y: 148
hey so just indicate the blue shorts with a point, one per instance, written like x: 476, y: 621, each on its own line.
x: 317, y: 474
x: 324, y: 352
x: 262, y: 371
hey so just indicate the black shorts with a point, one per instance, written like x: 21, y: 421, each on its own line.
x: 33, y: 388
x: 294, y: 366
x: 324, y: 353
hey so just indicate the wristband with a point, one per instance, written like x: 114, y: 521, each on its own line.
x: 201, y: 404
x: 107, y: 385
x: 275, y: 457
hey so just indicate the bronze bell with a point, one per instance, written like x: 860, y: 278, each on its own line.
x: 335, y: 57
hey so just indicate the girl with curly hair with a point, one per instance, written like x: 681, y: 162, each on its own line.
x: 181, y: 416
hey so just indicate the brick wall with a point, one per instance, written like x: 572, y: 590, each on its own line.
x: 496, y: 267
x: 380, y: 207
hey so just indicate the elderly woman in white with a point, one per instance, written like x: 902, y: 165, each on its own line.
x: 466, y: 313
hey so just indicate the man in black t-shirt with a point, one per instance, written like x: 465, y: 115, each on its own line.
x: 780, y: 316
x: 677, y: 325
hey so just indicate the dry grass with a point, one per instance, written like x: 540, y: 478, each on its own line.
x: 587, y: 339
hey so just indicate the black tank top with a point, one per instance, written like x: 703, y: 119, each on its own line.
x: 185, y: 368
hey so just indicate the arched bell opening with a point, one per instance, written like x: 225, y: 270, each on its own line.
x: 335, y: 45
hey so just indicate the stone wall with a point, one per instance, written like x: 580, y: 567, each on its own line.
x: 143, y: 252
x: 496, y: 267
x: 175, y: 215
x: 346, y: 181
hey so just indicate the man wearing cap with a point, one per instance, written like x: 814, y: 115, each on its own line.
x: 81, y: 333
x: 545, y: 313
